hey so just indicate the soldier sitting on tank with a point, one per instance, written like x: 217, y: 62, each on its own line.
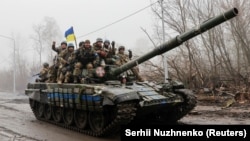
x: 81, y: 44
x: 43, y: 74
x: 66, y: 60
x: 110, y: 52
x: 98, y: 48
x: 53, y: 69
x: 85, y: 58
x: 122, y: 58
x: 60, y: 48
x: 52, y: 74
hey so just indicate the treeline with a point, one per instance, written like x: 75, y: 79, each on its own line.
x: 220, y: 55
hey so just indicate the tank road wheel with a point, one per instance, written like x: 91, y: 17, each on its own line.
x: 40, y: 109
x: 57, y: 114
x: 80, y: 118
x: 47, y: 112
x: 96, y: 121
x: 68, y: 116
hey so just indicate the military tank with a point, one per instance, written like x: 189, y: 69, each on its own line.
x: 100, y: 108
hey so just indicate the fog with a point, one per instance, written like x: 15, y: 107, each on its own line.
x: 116, y: 20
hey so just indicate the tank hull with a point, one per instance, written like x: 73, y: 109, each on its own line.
x: 99, y: 110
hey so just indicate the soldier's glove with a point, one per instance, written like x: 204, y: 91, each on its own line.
x: 113, y: 43
x: 130, y: 54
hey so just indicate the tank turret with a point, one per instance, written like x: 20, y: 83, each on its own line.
x: 178, y: 40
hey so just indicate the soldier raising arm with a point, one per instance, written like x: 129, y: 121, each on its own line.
x: 60, y: 48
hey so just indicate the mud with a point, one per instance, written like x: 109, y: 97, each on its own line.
x: 219, y: 111
x: 17, y: 122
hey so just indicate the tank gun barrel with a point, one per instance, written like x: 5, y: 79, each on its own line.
x: 178, y: 40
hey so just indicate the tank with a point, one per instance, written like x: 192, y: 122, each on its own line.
x: 101, y: 108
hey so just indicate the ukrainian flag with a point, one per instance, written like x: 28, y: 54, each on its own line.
x: 69, y: 34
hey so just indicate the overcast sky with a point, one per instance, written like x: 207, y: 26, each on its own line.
x: 18, y: 17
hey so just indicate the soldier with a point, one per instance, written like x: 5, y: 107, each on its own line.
x: 54, y: 68
x: 60, y: 48
x: 123, y: 58
x: 81, y: 44
x: 86, y: 58
x: 43, y: 74
x: 110, y: 51
x: 66, y: 59
x: 52, y: 74
x: 98, y: 48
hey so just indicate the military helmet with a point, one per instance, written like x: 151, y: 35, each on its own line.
x: 64, y: 42
x: 99, y: 40
x: 107, y: 41
x: 71, y: 45
x: 45, y: 64
x: 121, y: 47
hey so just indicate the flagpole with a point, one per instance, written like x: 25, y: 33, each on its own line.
x: 74, y: 36
x: 75, y: 41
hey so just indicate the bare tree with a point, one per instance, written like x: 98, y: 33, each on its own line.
x: 44, y: 33
x: 220, y: 52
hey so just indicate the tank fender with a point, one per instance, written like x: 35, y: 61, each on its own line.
x: 33, y: 94
x: 107, y: 101
x: 117, y: 95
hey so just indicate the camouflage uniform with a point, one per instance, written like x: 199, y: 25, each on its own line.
x: 60, y: 48
x: 123, y: 58
x: 66, y: 59
x: 110, y: 51
x: 98, y: 48
x: 43, y: 75
x: 85, y: 56
x: 53, y: 70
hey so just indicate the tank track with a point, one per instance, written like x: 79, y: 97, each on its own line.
x: 183, y: 109
x: 125, y: 114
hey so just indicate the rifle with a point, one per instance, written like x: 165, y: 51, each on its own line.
x: 113, y: 50
x: 36, y: 74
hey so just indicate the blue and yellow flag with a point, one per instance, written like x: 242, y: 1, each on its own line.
x: 69, y: 34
